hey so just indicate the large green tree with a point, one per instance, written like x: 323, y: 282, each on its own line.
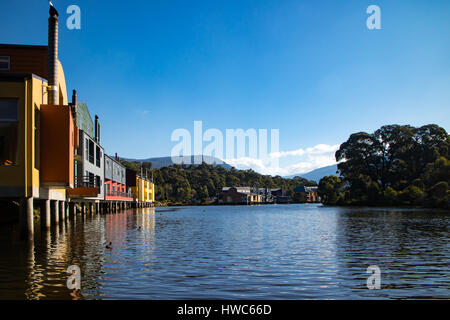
x: 395, y: 164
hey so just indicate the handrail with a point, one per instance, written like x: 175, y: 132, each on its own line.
x: 118, y: 194
x: 86, y: 182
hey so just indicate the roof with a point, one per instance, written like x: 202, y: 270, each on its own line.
x: 114, y: 160
x: 238, y: 189
x: 84, y: 119
x: 20, y: 76
x: 24, y: 46
x: 303, y: 189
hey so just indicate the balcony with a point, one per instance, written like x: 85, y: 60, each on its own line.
x: 85, y: 186
x: 87, y: 182
x: 120, y: 194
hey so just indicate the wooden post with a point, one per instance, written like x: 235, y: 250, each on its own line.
x: 71, y: 209
x: 45, y: 214
x: 27, y: 218
x: 55, y: 211
x: 62, y: 210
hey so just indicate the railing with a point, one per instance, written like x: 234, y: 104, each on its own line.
x: 86, y: 182
x: 118, y: 194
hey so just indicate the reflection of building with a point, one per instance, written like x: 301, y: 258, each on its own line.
x: 143, y: 189
x: 306, y: 194
x: 145, y: 219
x: 37, y: 132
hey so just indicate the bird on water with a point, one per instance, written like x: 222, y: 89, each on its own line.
x: 109, y: 246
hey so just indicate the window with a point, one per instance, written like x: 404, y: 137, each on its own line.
x: 91, y: 180
x: 91, y: 151
x: 9, y: 126
x: 86, y: 148
x: 5, y: 63
x: 97, y: 156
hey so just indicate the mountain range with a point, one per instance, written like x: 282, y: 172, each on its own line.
x: 318, y: 174
x: 160, y: 162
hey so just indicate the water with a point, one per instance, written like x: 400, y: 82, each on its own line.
x: 234, y: 252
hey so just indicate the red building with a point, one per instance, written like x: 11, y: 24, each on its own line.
x: 115, y: 181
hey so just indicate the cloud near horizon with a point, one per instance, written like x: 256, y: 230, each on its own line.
x: 312, y: 158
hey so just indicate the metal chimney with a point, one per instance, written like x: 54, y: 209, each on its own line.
x: 96, y: 133
x: 74, y: 104
x: 53, y: 56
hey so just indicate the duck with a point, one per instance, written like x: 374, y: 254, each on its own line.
x: 109, y: 246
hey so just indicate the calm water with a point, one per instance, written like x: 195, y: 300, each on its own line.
x: 238, y: 252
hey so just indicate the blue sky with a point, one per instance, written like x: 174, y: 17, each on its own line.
x: 311, y: 69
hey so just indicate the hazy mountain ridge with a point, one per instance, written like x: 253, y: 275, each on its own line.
x: 160, y: 162
x: 318, y: 174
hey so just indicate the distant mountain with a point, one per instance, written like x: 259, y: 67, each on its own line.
x: 318, y: 174
x: 160, y: 162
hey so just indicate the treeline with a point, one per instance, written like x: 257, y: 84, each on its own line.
x: 201, y: 183
x: 395, y: 165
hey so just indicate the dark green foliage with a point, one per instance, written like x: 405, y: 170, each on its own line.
x: 330, y: 189
x: 201, y: 183
x: 395, y: 165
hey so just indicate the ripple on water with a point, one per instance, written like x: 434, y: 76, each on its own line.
x: 263, y: 252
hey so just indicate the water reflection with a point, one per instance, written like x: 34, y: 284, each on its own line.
x: 269, y: 252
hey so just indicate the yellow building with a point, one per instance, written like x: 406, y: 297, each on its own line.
x: 37, y: 131
x: 144, y: 191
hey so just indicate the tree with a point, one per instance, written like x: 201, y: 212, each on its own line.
x: 203, y: 194
x: 395, y: 164
x: 330, y: 189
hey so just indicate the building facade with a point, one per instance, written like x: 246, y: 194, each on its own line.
x: 307, y: 194
x: 142, y: 188
x: 239, y: 195
x: 89, y: 163
x: 115, y: 181
x: 38, y: 134
x: 50, y: 149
